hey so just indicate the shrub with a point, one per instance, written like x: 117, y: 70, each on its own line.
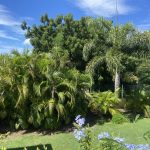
x: 104, y: 103
x: 40, y: 90
x: 138, y: 98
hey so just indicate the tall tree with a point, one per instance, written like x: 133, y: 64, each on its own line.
x: 63, y: 32
x: 113, y: 54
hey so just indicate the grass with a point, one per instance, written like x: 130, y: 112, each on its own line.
x: 132, y: 132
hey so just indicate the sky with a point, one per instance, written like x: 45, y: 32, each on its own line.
x: 13, y: 12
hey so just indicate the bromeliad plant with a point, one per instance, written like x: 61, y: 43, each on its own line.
x: 106, y: 141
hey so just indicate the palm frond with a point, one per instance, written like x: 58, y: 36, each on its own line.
x: 71, y: 98
x: 20, y: 99
x: 61, y: 111
x: 68, y: 85
x: 61, y: 97
x: 87, y: 49
x: 37, y: 88
x: 25, y: 90
x: 51, y: 106
x: 94, y: 63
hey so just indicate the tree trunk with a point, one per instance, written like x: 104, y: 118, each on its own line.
x: 53, y: 92
x: 117, y: 80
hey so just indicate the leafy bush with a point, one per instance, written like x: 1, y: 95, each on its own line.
x: 138, y: 98
x: 104, y: 103
x: 40, y: 90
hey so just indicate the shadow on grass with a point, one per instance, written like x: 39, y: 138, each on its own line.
x: 41, y: 147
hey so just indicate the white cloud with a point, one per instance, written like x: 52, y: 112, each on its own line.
x: 105, y: 8
x: 27, y: 42
x: 3, y: 34
x: 6, y: 18
x: 17, y: 29
x: 11, y: 29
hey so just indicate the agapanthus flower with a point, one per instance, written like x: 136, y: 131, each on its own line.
x: 80, y: 121
x: 79, y: 134
x: 143, y: 147
x: 103, y: 135
x: 137, y: 147
x: 131, y: 146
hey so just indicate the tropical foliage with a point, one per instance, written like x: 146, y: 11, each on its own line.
x: 104, y: 103
x: 41, y: 91
x: 76, y: 66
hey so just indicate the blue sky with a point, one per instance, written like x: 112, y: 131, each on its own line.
x: 13, y: 12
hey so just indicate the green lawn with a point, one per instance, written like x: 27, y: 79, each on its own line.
x: 132, y: 132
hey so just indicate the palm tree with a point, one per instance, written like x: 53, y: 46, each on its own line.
x: 112, y: 56
x: 40, y: 89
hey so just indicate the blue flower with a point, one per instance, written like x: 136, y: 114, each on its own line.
x: 131, y: 146
x: 80, y: 121
x: 143, y: 147
x: 79, y: 134
x: 103, y: 135
x: 119, y: 140
x: 137, y: 147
